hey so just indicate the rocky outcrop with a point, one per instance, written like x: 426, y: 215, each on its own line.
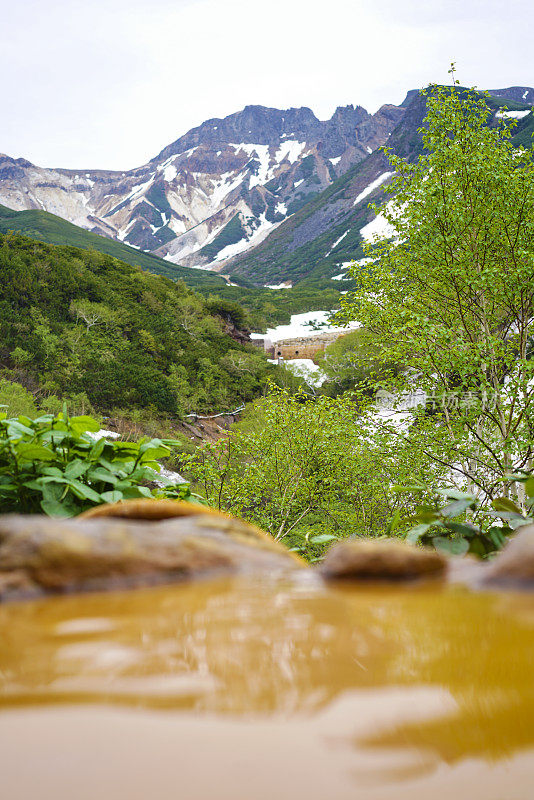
x: 131, y: 544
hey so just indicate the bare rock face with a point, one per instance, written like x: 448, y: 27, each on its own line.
x: 514, y: 566
x: 381, y: 559
x: 41, y: 555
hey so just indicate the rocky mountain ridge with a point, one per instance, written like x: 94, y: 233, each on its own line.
x: 214, y: 192
x: 274, y: 196
x: 320, y: 239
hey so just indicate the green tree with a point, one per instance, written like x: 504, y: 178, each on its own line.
x: 304, y: 469
x: 451, y: 296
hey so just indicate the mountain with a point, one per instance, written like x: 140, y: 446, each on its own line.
x: 48, y: 228
x: 315, y: 243
x: 265, y: 195
x: 214, y: 192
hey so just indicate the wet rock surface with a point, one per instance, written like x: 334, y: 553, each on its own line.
x: 382, y: 559
x: 43, y: 555
x: 146, y: 542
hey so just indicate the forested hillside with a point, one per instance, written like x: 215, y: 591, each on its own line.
x: 74, y: 321
x: 55, y: 230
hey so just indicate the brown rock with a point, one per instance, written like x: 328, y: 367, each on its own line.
x: 149, y: 508
x: 381, y: 559
x: 39, y: 554
x: 514, y: 566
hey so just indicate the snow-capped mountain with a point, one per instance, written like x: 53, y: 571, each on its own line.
x: 213, y: 193
x: 319, y: 240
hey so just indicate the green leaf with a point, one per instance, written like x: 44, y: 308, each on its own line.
x: 101, y: 474
x: 415, y: 533
x: 27, y: 451
x: 53, y: 508
x: 16, y: 429
x: 504, y: 504
x: 83, y: 424
x: 394, y: 522
x: 321, y: 538
x: 456, y: 495
x: 464, y: 529
x: 455, y: 547
x: 456, y: 508
x: 97, y: 449
x: 84, y: 492
x: 76, y: 468
x: 111, y: 497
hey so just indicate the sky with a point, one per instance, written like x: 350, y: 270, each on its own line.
x: 108, y: 83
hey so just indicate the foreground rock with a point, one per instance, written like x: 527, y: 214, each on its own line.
x: 113, y: 550
x: 381, y: 559
x: 514, y: 566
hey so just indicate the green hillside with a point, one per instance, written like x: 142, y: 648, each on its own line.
x: 79, y: 321
x: 48, y: 228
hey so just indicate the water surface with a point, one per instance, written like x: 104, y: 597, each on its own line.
x: 252, y: 690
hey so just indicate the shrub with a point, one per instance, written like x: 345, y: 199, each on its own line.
x: 15, y: 399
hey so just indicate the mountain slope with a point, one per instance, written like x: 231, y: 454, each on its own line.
x: 213, y: 192
x: 78, y: 321
x: 48, y: 228
x: 315, y: 242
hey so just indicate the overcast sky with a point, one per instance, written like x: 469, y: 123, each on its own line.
x: 108, y: 83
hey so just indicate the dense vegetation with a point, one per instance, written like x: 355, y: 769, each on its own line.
x: 58, y: 465
x: 270, y: 307
x: 76, y: 321
x: 49, y: 228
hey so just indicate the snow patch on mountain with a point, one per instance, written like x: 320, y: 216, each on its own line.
x: 503, y: 114
x: 337, y: 242
x: 243, y: 244
x: 378, y: 227
x: 291, y: 150
x: 372, y: 186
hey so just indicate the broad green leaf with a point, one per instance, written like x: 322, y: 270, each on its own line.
x: 97, y: 449
x: 455, y: 494
x: 83, y: 424
x: 111, y: 497
x: 464, y: 529
x: 101, y: 474
x: 26, y: 451
x: 16, y: 429
x: 504, y: 504
x: 456, y: 547
x: 456, y: 508
x: 415, y: 533
x: 53, y: 508
x: 83, y: 491
x: 76, y: 468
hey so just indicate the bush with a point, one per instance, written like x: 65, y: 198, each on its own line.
x: 15, y: 399
x: 56, y: 465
